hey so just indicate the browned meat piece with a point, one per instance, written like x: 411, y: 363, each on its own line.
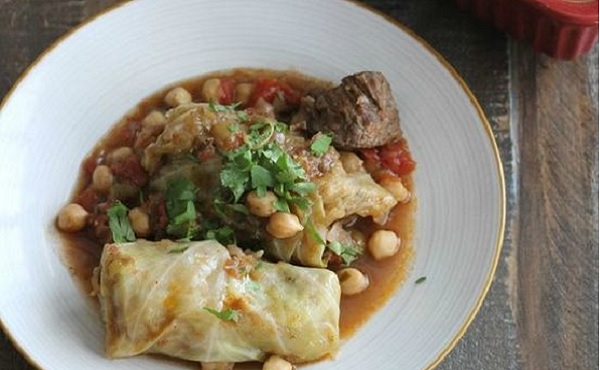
x: 360, y: 113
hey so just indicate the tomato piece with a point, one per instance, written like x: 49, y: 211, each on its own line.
x: 397, y: 158
x: 370, y: 155
x: 264, y: 89
x: 268, y: 88
x: 130, y: 169
x: 127, y: 133
x: 88, y: 199
x: 227, y: 87
x: 89, y: 165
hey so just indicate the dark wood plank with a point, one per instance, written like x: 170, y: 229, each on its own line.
x: 555, y: 294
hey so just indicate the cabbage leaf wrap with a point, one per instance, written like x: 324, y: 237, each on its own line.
x: 197, y: 301
x: 344, y: 194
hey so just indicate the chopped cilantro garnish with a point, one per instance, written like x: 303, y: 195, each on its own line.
x: 225, y: 315
x: 261, y: 179
x: 119, y: 224
x: 234, y: 127
x: 235, y: 179
x: 281, y: 205
x: 261, y: 165
x: 313, y: 233
x: 216, y: 107
x: 321, y: 144
x: 259, y: 134
x: 421, y: 280
x: 224, y: 235
x: 179, y: 250
x: 303, y: 188
x: 186, y: 216
x: 242, y: 116
x: 347, y: 252
x: 181, y: 211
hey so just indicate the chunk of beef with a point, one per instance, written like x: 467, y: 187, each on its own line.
x: 360, y: 113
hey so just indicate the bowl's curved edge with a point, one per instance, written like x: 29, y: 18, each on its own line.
x: 499, y: 168
x: 7, y: 97
x: 428, y: 47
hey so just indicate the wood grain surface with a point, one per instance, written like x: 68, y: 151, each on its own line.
x: 542, y: 309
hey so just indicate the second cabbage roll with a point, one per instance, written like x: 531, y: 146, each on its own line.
x: 197, y: 301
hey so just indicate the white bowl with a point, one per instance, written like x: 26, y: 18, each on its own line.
x: 71, y: 96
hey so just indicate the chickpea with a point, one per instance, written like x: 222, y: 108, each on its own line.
x: 119, y: 154
x: 395, y: 186
x: 243, y: 91
x: 178, y: 96
x: 72, y: 217
x: 155, y: 118
x: 276, y: 363
x: 211, y: 90
x: 351, y: 162
x: 383, y: 244
x: 140, y: 221
x: 261, y: 207
x: 352, y: 281
x: 102, y: 179
x: 284, y: 225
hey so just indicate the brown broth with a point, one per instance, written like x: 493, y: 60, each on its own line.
x: 82, y: 253
x: 385, y: 275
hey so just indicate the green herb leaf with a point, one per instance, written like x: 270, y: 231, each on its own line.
x: 262, y: 165
x: 259, y: 134
x: 235, y: 179
x: 234, y: 127
x: 216, y: 107
x: 304, y: 188
x: 224, y: 235
x: 225, y: 315
x: 179, y: 250
x: 281, y: 205
x: 186, y: 216
x: 421, y: 280
x: 320, y: 145
x: 349, y: 254
x: 313, y: 233
x: 180, y: 197
x: 335, y: 247
x: 238, y: 208
x: 261, y: 177
x: 302, y: 203
x: 119, y: 224
x: 242, y: 116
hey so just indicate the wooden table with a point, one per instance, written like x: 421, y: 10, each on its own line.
x: 542, y: 309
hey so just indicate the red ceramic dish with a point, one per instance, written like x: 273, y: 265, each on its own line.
x: 561, y: 29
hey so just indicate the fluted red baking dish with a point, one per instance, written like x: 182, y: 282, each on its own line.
x: 559, y: 28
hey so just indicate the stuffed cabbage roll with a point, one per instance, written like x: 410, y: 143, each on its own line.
x: 197, y: 301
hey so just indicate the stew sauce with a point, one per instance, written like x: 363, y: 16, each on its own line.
x: 82, y: 250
